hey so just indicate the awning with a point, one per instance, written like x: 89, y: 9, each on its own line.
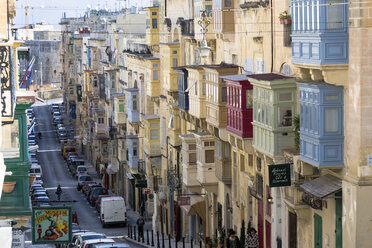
x: 323, y: 186
x: 197, y: 206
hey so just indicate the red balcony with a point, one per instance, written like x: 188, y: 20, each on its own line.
x: 239, y: 105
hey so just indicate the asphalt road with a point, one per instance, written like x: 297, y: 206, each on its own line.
x: 55, y: 172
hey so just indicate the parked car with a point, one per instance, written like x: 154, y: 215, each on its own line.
x: 88, y: 236
x: 39, y: 179
x: 75, y: 235
x: 86, y: 186
x: 36, y: 170
x: 40, y: 200
x: 113, y: 211
x: 54, y: 108
x: 74, y: 163
x: 67, y: 149
x: 35, y: 185
x: 90, y: 190
x: 39, y: 188
x: 91, y: 242
x: 82, y: 179
x: 30, y: 113
x: 81, y: 170
x: 62, y: 137
x: 95, y: 193
x: 57, y: 120
x: 111, y: 245
x: 98, y: 202
x: 38, y: 194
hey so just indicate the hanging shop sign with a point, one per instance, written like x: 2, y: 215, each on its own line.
x: 51, y: 225
x: 280, y: 175
x: 183, y: 200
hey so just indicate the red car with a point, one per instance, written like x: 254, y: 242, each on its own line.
x: 98, y: 202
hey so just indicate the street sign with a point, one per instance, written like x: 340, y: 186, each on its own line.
x: 280, y: 175
x: 18, y: 239
x: 183, y: 200
x: 51, y: 225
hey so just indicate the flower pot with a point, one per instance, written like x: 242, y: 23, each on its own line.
x: 281, y: 21
x: 31, y: 179
x: 287, y: 21
x: 8, y: 187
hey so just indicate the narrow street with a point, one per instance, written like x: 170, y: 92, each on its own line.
x: 55, y: 172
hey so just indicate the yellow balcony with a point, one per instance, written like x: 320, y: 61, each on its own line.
x: 223, y: 170
x: 174, y: 138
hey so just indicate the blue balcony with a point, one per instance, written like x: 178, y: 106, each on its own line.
x: 132, y: 151
x: 132, y: 104
x: 183, y: 96
x: 321, y: 124
x: 320, y: 32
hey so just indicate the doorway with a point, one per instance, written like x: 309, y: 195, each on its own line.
x: 318, y: 232
x: 292, y: 230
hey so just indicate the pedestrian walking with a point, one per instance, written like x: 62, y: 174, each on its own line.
x: 232, y: 240
x: 39, y: 135
x: 59, y: 192
x: 251, y: 240
x: 140, y: 224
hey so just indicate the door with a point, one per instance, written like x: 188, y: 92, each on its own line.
x: 260, y: 224
x: 339, y: 220
x: 268, y: 234
x: 318, y: 232
x: 292, y: 230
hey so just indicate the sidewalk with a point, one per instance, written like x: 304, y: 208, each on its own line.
x: 154, y: 242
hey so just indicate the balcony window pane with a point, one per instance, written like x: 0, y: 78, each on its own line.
x: 224, y: 94
x: 204, y: 89
x: 285, y: 116
x: 259, y: 112
x: 249, y: 99
x: 254, y: 111
x: 134, y: 105
x: 192, y: 158
x: 154, y: 134
x: 331, y: 120
x: 315, y: 116
x: 121, y: 107
x: 192, y: 147
x: 209, y: 156
x: 154, y: 23
x: 335, y: 14
x: 155, y: 75
x: 227, y: 3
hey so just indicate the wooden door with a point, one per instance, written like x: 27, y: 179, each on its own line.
x: 318, y: 231
x: 292, y: 230
x: 338, y: 220
x: 260, y: 224
x: 268, y: 234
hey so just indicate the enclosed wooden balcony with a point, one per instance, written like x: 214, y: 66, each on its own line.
x: 189, y: 165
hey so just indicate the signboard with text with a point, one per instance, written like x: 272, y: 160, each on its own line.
x: 280, y: 175
x: 18, y: 239
x: 183, y: 200
x: 51, y: 225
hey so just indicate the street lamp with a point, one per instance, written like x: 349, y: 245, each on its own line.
x: 204, y: 23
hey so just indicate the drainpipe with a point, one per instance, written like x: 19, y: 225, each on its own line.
x: 272, y: 35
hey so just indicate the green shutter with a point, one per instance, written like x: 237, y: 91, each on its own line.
x: 339, y: 220
x: 121, y: 107
x: 318, y: 232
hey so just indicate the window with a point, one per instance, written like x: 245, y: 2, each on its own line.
x: 242, y: 162
x: 134, y: 150
x: 224, y: 94
x: 192, y: 147
x: 196, y: 88
x: 204, y: 89
x: 285, y: 116
x: 155, y: 75
x: 250, y: 160
x: 101, y: 120
x: 192, y: 158
x: 335, y: 14
x: 154, y: 13
x: 134, y: 105
x: 163, y: 131
x: 174, y: 52
x: 249, y: 99
x: 154, y: 23
x: 209, y: 156
x: 234, y: 59
x: 175, y: 62
x: 154, y: 134
x: 208, y: 10
x: 227, y: 3
x: 331, y: 120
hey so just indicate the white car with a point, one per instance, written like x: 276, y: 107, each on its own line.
x: 90, y: 243
x: 87, y: 236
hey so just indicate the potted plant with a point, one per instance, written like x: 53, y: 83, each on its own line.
x: 31, y: 179
x: 285, y: 18
x: 8, y: 187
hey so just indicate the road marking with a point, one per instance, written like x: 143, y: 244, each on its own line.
x: 55, y: 150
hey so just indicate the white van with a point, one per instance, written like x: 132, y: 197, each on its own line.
x: 36, y: 170
x: 113, y: 211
